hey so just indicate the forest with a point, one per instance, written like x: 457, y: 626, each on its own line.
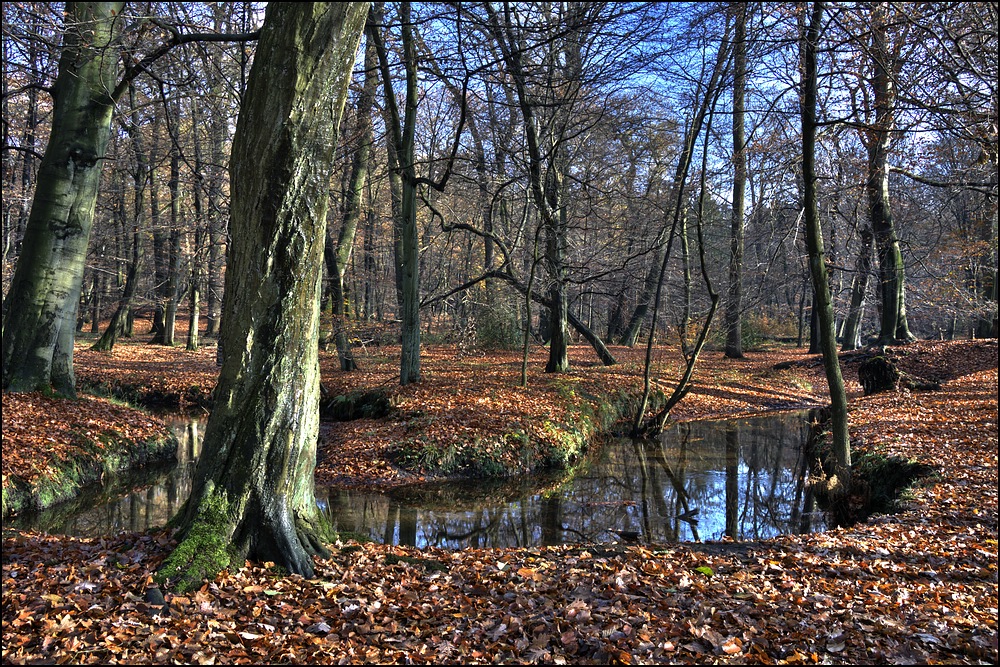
x: 504, y: 260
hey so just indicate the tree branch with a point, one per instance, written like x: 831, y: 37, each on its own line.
x: 985, y: 188
x: 176, y: 39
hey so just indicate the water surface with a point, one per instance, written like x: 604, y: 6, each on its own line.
x: 745, y: 479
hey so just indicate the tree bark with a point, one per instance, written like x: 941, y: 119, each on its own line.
x: 822, y: 303
x: 859, y: 287
x: 39, y: 312
x: 253, y: 494
x: 172, y: 288
x: 894, y: 325
x: 734, y: 300
x: 117, y: 325
x: 402, y: 132
x: 341, y: 255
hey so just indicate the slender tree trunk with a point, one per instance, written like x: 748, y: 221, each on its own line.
x: 201, y: 226
x: 341, y: 255
x: 595, y: 341
x: 253, y: 494
x: 823, y: 304
x: 117, y: 325
x: 161, y: 258
x: 39, y: 311
x: 546, y: 174
x: 815, y: 340
x: 859, y: 288
x: 95, y: 302
x: 734, y: 300
x: 890, y: 259
x: 401, y: 157
x: 685, y: 318
x: 172, y: 288
x: 369, y: 267
x: 555, y: 252
x: 526, y: 339
x: 216, y: 221
x: 630, y: 335
x: 683, y: 385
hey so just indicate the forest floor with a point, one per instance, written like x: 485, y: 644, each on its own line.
x: 916, y: 586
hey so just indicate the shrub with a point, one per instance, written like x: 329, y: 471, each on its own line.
x: 497, y: 325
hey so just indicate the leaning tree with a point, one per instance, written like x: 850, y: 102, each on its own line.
x: 253, y: 493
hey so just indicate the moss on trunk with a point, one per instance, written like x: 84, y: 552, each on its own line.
x: 253, y: 495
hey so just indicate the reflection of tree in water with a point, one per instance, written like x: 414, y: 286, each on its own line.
x: 741, y: 479
x: 745, y: 480
x: 159, y: 491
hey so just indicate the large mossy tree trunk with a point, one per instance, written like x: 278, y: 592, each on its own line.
x: 822, y: 302
x: 253, y: 494
x: 39, y: 313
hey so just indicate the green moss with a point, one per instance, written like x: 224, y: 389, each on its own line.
x: 878, y: 481
x: 353, y: 536
x: 357, y: 405
x: 205, y: 550
x: 515, y: 452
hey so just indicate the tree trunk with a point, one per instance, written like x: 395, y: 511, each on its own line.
x: 894, y: 326
x: 161, y: 259
x: 95, y: 302
x: 119, y: 321
x: 369, y: 267
x: 822, y: 301
x: 39, y: 312
x: 338, y: 259
x: 555, y: 226
x: 253, y: 494
x: 214, y: 174
x: 734, y: 300
x: 197, y: 256
x: 815, y: 342
x: 631, y: 333
x: 402, y: 132
x: 172, y: 288
x: 859, y: 287
x: 685, y: 316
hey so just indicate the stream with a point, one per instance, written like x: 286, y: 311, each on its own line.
x: 746, y: 479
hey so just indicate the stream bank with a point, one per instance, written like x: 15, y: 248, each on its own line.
x: 54, y: 448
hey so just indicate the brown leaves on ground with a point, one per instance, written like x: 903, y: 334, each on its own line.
x: 919, y: 586
x: 463, y: 397
x: 155, y: 373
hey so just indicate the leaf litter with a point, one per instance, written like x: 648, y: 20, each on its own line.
x: 918, y: 586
